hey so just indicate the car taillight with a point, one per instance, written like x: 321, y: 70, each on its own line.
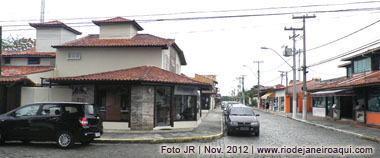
x: 83, y: 121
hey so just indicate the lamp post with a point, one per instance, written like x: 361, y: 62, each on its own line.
x: 294, y: 78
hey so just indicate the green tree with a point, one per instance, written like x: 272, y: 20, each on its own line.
x: 17, y: 43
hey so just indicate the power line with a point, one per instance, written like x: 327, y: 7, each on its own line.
x: 260, y: 15
x: 331, y: 42
x: 215, y: 11
x: 235, y: 16
x: 373, y: 43
x: 276, y: 67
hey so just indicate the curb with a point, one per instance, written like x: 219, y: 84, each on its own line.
x: 165, y: 140
x: 330, y: 128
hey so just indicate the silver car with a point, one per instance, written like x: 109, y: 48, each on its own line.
x: 242, y: 119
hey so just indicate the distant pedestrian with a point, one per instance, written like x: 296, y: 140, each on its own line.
x: 267, y: 106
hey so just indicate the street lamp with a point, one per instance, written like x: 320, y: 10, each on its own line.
x: 294, y: 78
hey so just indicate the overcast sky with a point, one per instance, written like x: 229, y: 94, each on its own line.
x: 220, y: 46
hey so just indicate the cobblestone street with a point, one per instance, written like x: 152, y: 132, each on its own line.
x: 276, y: 131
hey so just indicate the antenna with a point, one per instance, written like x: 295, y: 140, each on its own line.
x: 42, y: 16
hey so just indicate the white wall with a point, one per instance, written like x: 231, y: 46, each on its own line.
x: 46, y: 37
x: 115, y: 125
x: 43, y: 94
x: 165, y: 54
x: 95, y: 60
x: 185, y: 124
x: 19, y: 62
x: 117, y: 31
x: 36, y: 77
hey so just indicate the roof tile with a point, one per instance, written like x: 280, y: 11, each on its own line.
x: 359, y: 79
x: 141, y: 74
x: 118, y: 20
x: 55, y: 24
x: 24, y: 70
x: 30, y: 52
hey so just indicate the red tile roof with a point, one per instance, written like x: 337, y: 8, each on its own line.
x: 55, y: 24
x: 357, y: 80
x: 30, y: 52
x: 15, y: 79
x: 148, y: 74
x: 24, y: 70
x: 140, y: 40
x: 118, y: 20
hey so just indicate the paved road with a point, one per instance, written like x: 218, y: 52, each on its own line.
x: 275, y: 132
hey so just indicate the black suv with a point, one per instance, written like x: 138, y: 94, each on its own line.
x: 65, y: 123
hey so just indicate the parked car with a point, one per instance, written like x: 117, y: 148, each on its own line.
x: 242, y: 119
x: 63, y: 122
x: 230, y: 103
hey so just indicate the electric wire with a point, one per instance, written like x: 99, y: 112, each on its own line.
x: 215, y: 11
x: 341, y: 38
x: 373, y: 43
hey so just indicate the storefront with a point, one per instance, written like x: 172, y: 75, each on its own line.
x: 140, y: 104
x: 336, y: 104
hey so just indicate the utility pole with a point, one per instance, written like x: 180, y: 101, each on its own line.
x: 258, y: 82
x: 294, y: 69
x: 242, y: 83
x: 281, y: 75
x: 286, y: 85
x: 42, y: 15
x: 304, y: 87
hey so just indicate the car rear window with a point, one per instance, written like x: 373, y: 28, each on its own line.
x: 241, y: 111
x: 90, y: 109
x: 71, y: 109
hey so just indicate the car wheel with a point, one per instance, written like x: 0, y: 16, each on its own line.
x: 1, y: 137
x: 229, y: 132
x: 257, y: 133
x: 86, y: 142
x: 65, y: 140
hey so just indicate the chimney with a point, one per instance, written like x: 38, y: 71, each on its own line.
x: 53, y: 33
x: 117, y: 28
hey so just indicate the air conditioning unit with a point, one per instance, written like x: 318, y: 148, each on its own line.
x: 287, y: 52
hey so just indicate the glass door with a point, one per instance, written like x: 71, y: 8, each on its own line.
x: 163, y: 106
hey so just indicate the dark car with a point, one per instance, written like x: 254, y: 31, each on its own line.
x: 65, y: 123
x: 242, y: 119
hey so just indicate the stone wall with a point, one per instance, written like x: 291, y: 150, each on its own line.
x: 83, y: 93
x: 142, y: 107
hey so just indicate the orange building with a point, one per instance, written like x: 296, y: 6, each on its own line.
x: 289, y: 96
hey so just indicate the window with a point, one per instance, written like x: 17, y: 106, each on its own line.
x: 27, y: 111
x: 33, y: 61
x: 7, y: 60
x: 374, y: 101
x: 73, y: 56
x: 349, y: 72
x: 166, y: 62
x: 319, y: 102
x: 125, y: 101
x: 362, y: 65
x: 51, y: 110
x: 71, y: 109
x: 185, y: 108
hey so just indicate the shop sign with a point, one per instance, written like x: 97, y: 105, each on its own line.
x: 320, y: 112
x: 185, y: 90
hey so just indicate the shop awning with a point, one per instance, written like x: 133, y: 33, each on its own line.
x: 339, y: 92
x: 268, y: 95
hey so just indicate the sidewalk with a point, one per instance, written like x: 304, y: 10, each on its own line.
x: 210, y: 128
x: 349, y: 127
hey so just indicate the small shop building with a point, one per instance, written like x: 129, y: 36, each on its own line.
x: 140, y: 98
